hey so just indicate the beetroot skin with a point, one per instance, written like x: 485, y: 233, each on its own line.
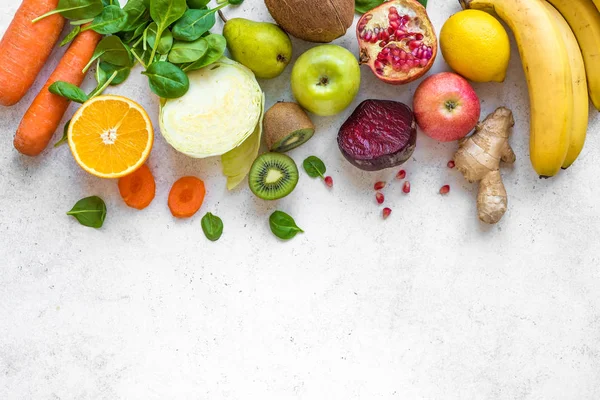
x: 379, y: 134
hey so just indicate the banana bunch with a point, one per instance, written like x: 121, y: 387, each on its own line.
x: 559, y: 44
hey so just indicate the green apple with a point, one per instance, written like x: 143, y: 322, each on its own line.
x: 326, y: 79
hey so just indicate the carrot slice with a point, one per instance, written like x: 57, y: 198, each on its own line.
x: 186, y: 197
x: 138, y: 188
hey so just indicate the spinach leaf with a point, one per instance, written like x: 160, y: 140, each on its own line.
x: 111, y: 49
x: 283, y: 226
x: 72, y: 35
x: 106, y: 3
x: 166, y: 39
x: 187, y: 52
x: 110, y: 21
x: 130, y: 36
x: 69, y: 91
x: 65, y: 137
x: 75, y: 9
x: 212, y: 227
x: 314, y: 167
x: 137, y: 14
x: 216, y: 48
x: 164, y: 13
x: 90, y: 212
x: 167, y: 80
x: 105, y: 70
x: 198, y: 4
x: 193, y: 25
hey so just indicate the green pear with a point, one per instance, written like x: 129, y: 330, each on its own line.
x: 261, y: 46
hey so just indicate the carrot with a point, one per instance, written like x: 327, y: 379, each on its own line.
x: 138, y: 188
x: 186, y: 196
x: 43, y: 116
x: 25, y: 48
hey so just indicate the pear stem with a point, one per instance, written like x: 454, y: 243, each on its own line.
x: 222, y: 16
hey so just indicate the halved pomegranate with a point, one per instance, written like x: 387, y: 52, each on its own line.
x: 397, y: 41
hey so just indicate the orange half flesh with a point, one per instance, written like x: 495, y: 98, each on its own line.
x: 110, y: 136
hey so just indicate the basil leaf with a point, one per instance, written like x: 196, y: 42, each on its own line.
x: 137, y: 14
x: 90, y: 212
x: 166, y: 40
x: 193, y: 25
x: 111, y: 20
x: 283, y: 226
x: 65, y: 137
x: 75, y: 9
x: 314, y: 167
x: 72, y: 35
x: 187, y: 52
x: 216, y: 48
x: 167, y: 80
x: 198, y: 4
x: 212, y: 227
x: 111, y: 49
x: 69, y: 91
x: 105, y: 70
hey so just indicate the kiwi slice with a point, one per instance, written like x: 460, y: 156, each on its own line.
x: 273, y: 176
x: 287, y: 126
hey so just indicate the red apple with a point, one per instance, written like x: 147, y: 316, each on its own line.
x: 446, y: 107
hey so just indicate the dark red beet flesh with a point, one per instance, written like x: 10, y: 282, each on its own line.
x: 379, y: 134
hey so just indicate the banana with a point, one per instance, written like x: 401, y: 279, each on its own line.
x: 548, y: 72
x: 584, y: 19
x: 581, y: 104
x: 597, y: 3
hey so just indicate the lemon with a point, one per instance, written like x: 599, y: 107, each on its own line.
x: 476, y: 46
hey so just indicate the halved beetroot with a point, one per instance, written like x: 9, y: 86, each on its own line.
x: 397, y: 41
x: 379, y: 134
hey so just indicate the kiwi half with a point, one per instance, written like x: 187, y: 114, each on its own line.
x: 287, y: 126
x: 273, y: 176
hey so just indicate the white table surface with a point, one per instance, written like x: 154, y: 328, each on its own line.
x: 430, y: 304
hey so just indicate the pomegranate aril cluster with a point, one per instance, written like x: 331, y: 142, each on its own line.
x: 417, y: 53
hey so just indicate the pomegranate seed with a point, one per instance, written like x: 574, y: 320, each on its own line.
x: 445, y: 189
x: 419, y: 36
x: 329, y: 181
x: 401, y: 174
x: 451, y: 164
x: 394, y: 24
x: 406, y: 187
x: 379, y: 197
x: 382, y: 44
x: 379, y: 185
x: 386, y: 212
x: 393, y: 10
x: 368, y: 35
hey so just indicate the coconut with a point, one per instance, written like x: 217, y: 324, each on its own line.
x: 318, y: 21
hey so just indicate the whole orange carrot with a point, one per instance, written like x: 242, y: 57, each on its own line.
x: 43, y: 116
x: 25, y: 48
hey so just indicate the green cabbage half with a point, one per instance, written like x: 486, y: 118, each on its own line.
x: 222, y: 109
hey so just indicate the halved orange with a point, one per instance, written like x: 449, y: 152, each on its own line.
x: 110, y: 136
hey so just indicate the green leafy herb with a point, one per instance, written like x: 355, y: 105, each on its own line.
x: 193, y: 25
x: 90, y: 212
x: 110, y: 21
x: 314, y: 167
x: 164, y: 13
x: 212, y: 227
x: 167, y: 80
x: 69, y: 91
x: 75, y: 9
x: 364, y: 6
x: 110, y: 3
x: 111, y: 49
x: 65, y: 137
x: 283, y: 226
x: 166, y: 40
x: 137, y: 14
x: 198, y: 4
x: 101, y: 88
x: 105, y: 70
x: 216, y: 48
x: 72, y: 35
x: 187, y: 52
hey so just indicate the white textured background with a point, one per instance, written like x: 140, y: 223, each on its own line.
x: 429, y: 304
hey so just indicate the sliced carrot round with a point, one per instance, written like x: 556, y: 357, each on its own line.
x: 138, y: 188
x: 186, y: 197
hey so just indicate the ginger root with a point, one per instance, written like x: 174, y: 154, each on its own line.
x: 478, y: 158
